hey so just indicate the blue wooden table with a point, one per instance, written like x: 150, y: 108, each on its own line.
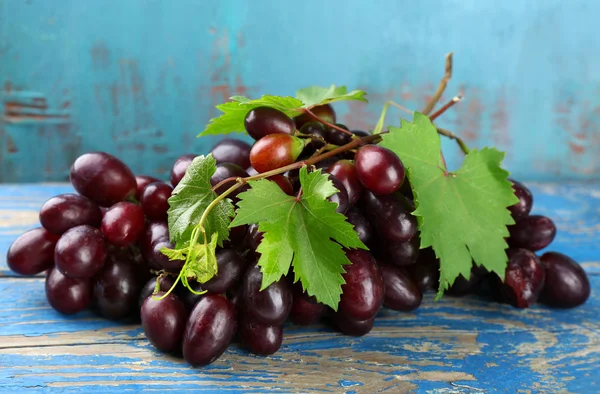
x: 457, y: 345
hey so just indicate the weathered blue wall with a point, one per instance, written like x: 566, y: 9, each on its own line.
x: 140, y: 78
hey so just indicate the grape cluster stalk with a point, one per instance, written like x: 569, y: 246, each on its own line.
x: 101, y: 248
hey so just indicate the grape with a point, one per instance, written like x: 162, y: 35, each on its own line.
x: 154, y: 200
x: 317, y: 129
x: 228, y: 170
x: 523, y: 207
x: 32, y: 252
x: 324, y: 112
x: 275, y: 151
x: 209, y: 330
x: 117, y: 289
x: 533, y: 232
x: 190, y: 299
x: 102, y: 178
x: 164, y: 321
x: 462, y: 286
x: 363, y: 292
x: 269, y: 306
x: 390, y: 216
x: 402, y: 253
x: 66, y: 211
x: 524, y: 278
x: 237, y: 235
x: 234, y: 151
x: 253, y: 237
x: 153, y: 233
x: 180, y: 167
x: 142, y: 181
x: 80, y: 252
x: 361, y: 224
x: 157, y: 258
x: 352, y: 327
x: 426, y: 271
x: 567, y: 284
x: 263, y: 121
x: 67, y: 295
x: 251, y: 171
x: 340, y: 197
x: 379, y: 169
x: 337, y: 137
x: 361, y: 133
x: 401, y: 292
x: 231, y: 266
x: 123, y: 223
x: 304, y: 309
x: 345, y: 172
x: 284, y: 184
x: 165, y: 284
x: 259, y: 338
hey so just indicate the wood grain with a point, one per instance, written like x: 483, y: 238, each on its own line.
x: 457, y: 345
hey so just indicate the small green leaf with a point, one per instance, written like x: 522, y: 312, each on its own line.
x: 190, y: 199
x: 203, y: 261
x: 306, y: 233
x: 463, y: 215
x: 234, y: 112
x: 317, y: 95
x: 174, y: 254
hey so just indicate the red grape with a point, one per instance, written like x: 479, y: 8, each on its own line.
x: 80, y: 252
x: 66, y: 211
x: 142, y: 181
x: 231, y: 266
x: 123, y: 223
x: 363, y: 292
x: 523, y: 207
x: 345, y: 172
x: 275, y: 151
x: 379, y: 169
x: 180, y: 167
x: 352, y: 327
x: 401, y: 292
x: 117, y: 289
x: 533, y: 232
x: 260, y: 338
x: 269, y: 306
x: 263, y: 121
x: 164, y: 321
x: 524, y: 278
x: 390, y: 216
x: 324, y: 112
x: 566, y: 284
x: 67, y: 295
x: 32, y: 252
x: 284, y: 183
x: 154, y: 200
x: 233, y: 151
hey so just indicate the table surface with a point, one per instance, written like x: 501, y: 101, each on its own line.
x: 452, y: 346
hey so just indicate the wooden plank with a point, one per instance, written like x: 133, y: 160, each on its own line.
x: 459, y: 344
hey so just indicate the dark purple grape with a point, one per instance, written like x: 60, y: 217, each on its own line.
x: 228, y: 170
x: 259, y: 338
x: 234, y: 151
x: 356, y: 328
x: 345, y: 172
x: 379, y: 169
x: 462, y: 286
x: 284, y: 183
x: 402, y: 253
x: 337, y: 137
x: 153, y: 232
x: 305, y: 310
x: 141, y: 182
x: 401, y: 291
x: 117, y: 289
x: 191, y: 299
x: 340, y: 197
x: 363, y: 292
x: 361, y: 224
x: 154, y: 200
x: 524, y: 278
x: 209, y: 330
x: 231, y: 267
x: 66, y: 211
x: 533, y: 232
x: 123, y: 224
x: 157, y: 258
x: 318, y: 130
x: 262, y: 121
x: 361, y: 133
x: 237, y: 235
x: 566, y: 284
x: 180, y: 167
x: 390, y: 216
x: 165, y: 283
x: 523, y: 207
x: 164, y: 321
x: 32, y: 252
x: 253, y: 237
x: 270, y: 306
x: 67, y: 295
x: 275, y: 151
x: 102, y: 178
x: 324, y: 112
x: 80, y: 252
x: 426, y: 271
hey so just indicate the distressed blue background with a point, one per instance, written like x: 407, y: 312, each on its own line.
x: 140, y: 78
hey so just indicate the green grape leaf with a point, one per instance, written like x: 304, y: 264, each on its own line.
x: 203, y: 261
x: 463, y: 214
x: 190, y: 199
x: 234, y: 112
x: 306, y: 233
x: 317, y: 95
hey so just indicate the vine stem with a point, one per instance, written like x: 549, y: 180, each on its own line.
x: 441, y: 87
x: 449, y: 104
x: 463, y: 146
x: 326, y: 123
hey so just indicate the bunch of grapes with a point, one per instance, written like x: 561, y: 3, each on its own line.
x: 101, y: 248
